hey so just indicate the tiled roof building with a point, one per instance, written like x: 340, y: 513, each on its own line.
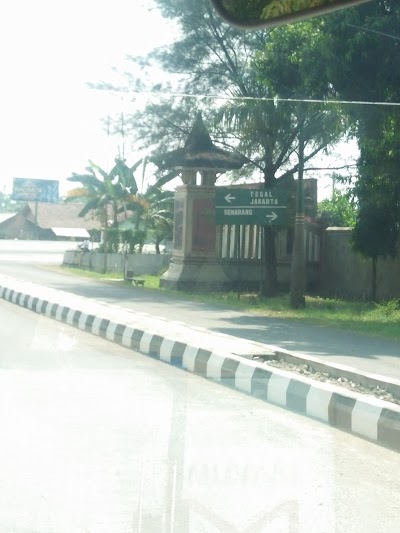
x: 48, y: 221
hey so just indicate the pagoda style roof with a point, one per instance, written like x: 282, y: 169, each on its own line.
x: 200, y: 153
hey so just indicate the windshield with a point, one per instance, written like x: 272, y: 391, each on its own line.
x: 199, y: 297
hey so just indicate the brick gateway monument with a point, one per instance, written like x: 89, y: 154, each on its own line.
x: 195, y: 262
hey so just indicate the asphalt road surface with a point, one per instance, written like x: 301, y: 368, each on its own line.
x: 23, y: 260
x: 34, y: 252
x: 99, y: 439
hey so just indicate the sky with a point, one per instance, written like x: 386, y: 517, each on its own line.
x: 50, y: 119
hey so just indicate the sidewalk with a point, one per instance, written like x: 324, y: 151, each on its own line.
x: 364, y: 353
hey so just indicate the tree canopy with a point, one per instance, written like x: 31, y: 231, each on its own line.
x: 327, y: 78
x: 363, y: 60
x: 104, y: 192
x: 232, y: 76
x: 8, y: 205
x: 339, y: 210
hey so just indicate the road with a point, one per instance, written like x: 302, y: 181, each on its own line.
x: 99, y: 439
x: 34, y: 252
x: 361, y: 352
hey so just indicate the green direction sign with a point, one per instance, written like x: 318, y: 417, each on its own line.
x: 250, y: 206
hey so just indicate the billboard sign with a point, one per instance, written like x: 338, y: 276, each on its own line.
x: 35, y: 190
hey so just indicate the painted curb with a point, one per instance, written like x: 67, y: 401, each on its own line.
x: 363, y: 416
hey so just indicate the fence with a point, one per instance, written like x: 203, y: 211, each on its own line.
x: 345, y: 273
x: 140, y: 263
x: 240, y: 250
x: 244, y: 242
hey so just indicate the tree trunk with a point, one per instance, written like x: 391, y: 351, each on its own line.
x: 270, y: 283
x: 115, y: 214
x: 105, y: 243
x: 298, y: 271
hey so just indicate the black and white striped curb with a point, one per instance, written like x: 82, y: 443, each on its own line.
x: 210, y: 356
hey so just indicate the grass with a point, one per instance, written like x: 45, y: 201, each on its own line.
x: 151, y: 282
x: 90, y: 274
x: 375, y: 319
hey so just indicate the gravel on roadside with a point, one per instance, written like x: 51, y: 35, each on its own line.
x: 308, y: 371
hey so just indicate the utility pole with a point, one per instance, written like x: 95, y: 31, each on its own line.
x: 298, y: 272
x: 36, y: 221
x: 105, y: 241
x: 122, y: 158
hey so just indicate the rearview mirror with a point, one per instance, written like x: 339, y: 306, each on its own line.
x: 264, y: 13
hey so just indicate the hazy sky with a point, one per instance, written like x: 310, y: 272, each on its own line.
x: 50, y: 121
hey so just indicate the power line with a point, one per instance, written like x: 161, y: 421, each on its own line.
x: 274, y: 99
x: 375, y: 31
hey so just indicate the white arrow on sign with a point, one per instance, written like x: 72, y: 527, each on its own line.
x: 272, y: 216
x: 229, y: 198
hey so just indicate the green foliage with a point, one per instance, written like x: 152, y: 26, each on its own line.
x: 380, y: 320
x: 152, y: 213
x: 115, y: 193
x: 361, y: 62
x: 131, y: 239
x: 340, y: 210
x: 8, y: 205
x: 286, y: 69
x: 362, y: 52
x: 104, y: 192
x: 123, y: 241
x: 378, y: 188
x: 389, y: 308
x: 113, y: 240
x: 210, y: 57
x: 289, y: 58
x: 346, y: 56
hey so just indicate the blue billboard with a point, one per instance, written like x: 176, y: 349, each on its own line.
x: 36, y: 190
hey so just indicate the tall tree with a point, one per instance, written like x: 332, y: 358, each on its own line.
x: 286, y: 67
x: 8, y: 205
x: 377, y: 227
x: 363, y: 62
x: 104, y: 193
x: 152, y: 213
x: 340, y: 210
x: 210, y: 58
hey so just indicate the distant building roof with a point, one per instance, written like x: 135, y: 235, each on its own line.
x: 66, y: 215
x: 6, y: 216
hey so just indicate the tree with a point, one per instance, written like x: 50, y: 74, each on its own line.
x: 362, y: 61
x: 104, y: 193
x: 340, y: 210
x: 152, y: 213
x: 7, y: 204
x: 287, y: 67
x: 212, y: 57
x: 377, y: 224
